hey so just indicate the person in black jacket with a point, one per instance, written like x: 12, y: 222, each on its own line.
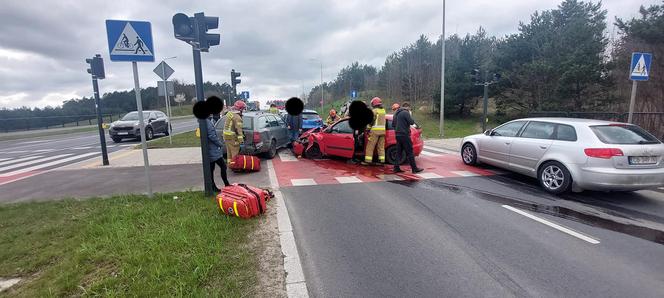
x: 402, y: 122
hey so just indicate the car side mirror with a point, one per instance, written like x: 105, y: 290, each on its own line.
x: 488, y: 132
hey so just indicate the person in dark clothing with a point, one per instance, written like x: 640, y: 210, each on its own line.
x: 294, y: 125
x: 215, y: 154
x: 402, y: 122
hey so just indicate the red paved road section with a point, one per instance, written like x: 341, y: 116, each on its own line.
x: 12, y: 178
x: 326, y: 171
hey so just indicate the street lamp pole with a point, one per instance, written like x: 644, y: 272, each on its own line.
x: 442, y: 78
x: 322, y: 105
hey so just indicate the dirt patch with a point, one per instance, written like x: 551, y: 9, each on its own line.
x: 265, y: 240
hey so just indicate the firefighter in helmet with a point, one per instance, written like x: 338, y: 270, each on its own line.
x: 233, y: 135
x: 376, y: 133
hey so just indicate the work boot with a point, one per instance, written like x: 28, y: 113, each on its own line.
x: 398, y: 170
x: 417, y: 170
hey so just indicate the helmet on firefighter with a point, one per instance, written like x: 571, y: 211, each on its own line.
x: 376, y: 101
x: 395, y: 106
x: 333, y: 113
x: 239, y: 105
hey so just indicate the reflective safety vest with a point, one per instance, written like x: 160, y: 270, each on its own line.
x: 274, y: 111
x: 379, y: 119
x: 228, y: 130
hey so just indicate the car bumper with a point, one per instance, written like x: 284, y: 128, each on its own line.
x: 606, y: 179
x: 125, y: 133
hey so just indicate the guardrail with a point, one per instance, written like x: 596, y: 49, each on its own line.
x: 47, y: 122
x: 650, y: 121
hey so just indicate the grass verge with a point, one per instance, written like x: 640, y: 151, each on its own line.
x: 454, y: 127
x: 126, y: 246
x: 185, y: 139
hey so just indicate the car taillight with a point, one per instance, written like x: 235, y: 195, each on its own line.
x: 605, y: 153
x: 257, y: 137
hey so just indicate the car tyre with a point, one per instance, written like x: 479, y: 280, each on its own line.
x: 554, y: 177
x: 272, y: 152
x: 314, y: 152
x: 391, y: 155
x: 469, y: 154
x: 149, y: 134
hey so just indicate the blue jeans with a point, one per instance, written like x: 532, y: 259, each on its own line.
x: 293, y: 134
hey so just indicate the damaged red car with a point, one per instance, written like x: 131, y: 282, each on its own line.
x: 337, y: 140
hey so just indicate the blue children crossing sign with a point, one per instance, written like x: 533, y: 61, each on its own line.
x: 640, y: 66
x: 130, y: 41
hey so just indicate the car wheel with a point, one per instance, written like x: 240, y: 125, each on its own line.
x: 149, y: 134
x: 554, y: 177
x: 272, y: 152
x: 469, y: 154
x: 117, y: 140
x: 314, y: 152
x: 391, y: 155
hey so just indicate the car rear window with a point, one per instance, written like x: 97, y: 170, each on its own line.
x: 310, y: 116
x: 623, y: 134
x: 566, y: 133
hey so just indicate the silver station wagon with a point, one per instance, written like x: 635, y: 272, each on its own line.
x: 572, y: 154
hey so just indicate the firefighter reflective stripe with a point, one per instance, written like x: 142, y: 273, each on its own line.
x: 228, y: 123
x: 379, y: 123
x: 381, y: 158
x: 368, y: 158
x: 235, y: 208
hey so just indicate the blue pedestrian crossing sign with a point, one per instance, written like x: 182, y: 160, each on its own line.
x: 244, y: 95
x: 130, y: 41
x: 353, y: 94
x: 640, y: 67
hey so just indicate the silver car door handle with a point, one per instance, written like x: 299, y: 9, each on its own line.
x: 507, y: 143
x: 543, y: 147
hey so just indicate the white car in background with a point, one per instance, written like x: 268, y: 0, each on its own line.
x: 572, y: 154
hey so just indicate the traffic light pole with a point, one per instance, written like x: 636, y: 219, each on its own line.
x: 202, y: 124
x: 102, y: 135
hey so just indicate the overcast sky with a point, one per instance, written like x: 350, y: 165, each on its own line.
x: 44, y: 43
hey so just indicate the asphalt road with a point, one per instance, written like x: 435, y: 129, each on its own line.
x: 34, y: 155
x: 477, y: 237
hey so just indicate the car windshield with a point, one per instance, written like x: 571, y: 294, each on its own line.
x: 310, y: 116
x: 133, y: 116
x: 623, y: 134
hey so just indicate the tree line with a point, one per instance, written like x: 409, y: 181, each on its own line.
x: 563, y: 59
x: 115, y: 103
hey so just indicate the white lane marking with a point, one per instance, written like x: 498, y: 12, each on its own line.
x: 33, y: 142
x: 48, y: 164
x: 81, y: 148
x: 348, y: 179
x: 426, y: 153
x: 27, y: 163
x: 127, y: 145
x: 303, y: 182
x: 10, y: 161
x: 3, y: 159
x: 429, y: 176
x: 390, y: 177
x: 465, y: 173
x: 296, y: 285
x: 286, y: 156
x: 553, y: 225
x: 441, y: 150
x: 662, y: 188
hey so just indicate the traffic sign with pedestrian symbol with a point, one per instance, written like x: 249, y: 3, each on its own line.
x: 129, y: 41
x: 640, y: 66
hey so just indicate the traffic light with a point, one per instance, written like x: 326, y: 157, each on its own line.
x: 235, y: 77
x: 96, y: 67
x: 203, y: 24
x: 194, y: 30
x: 475, y: 76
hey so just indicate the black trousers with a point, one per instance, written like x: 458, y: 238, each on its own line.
x: 222, y: 168
x: 405, y: 145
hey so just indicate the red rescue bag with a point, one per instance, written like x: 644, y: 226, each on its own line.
x: 245, y: 163
x: 242, y: 200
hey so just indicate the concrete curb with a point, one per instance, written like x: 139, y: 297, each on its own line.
x: 295, y: 282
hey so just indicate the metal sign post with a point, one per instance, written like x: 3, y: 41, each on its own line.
x: 131, y: 41
x: 164, y: 71
x: 639, y: 70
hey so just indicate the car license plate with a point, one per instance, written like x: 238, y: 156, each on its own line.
x: 122, y: 133
x: 642, y: 160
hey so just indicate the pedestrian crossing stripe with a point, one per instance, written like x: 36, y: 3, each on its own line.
x: 130, y: 43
